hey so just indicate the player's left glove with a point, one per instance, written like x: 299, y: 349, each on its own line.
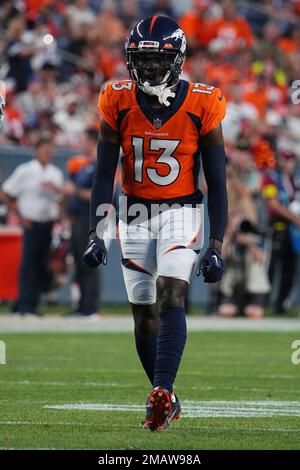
x: 211, y: 266
x: 95, y: 252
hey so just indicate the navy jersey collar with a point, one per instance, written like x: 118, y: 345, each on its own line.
x: 162, y: 114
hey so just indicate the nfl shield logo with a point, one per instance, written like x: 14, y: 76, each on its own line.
x: 157, y: 123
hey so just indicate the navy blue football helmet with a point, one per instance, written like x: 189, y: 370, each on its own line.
x: 155, y: 51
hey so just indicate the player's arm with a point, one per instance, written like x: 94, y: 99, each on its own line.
x: 108, y: 149
x: 214, y: 168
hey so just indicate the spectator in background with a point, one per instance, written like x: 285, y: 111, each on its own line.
x: 196, y: 25
x: 32, y: 191
x: 257, y: 96
x: 45, y: 46
x: 18, y: 54
x: 268, y: 46
x: 79, y: 14
x: 111, y: 60
x: 231, y: 32
x: 108, y: 27
x: 239, y: 116
x: 13, y: 124
x: 291, y: 42
x: 245, y: 284
x: 161, y: 7
x: 69, y: 121
x: 279, y: 190
x: 29, y: 102
x: 79, y: 192
x: 129, y: 13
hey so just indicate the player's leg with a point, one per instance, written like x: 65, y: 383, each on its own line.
x: 171, y: 295
x: 139, y: 272
x: 146, y: 325
x: 162, y: 405
x: 178, y: 245
x: 176, y: 258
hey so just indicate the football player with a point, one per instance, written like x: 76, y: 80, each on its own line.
x: 163, y: 125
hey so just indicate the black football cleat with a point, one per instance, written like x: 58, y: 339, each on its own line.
x: 162, y: 407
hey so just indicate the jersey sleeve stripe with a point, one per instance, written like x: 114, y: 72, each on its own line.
x: 196, y: 121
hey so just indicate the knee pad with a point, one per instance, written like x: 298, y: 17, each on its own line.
x: 178, y: 263
x: 141, y: 291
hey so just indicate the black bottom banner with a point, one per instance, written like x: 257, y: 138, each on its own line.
x: 137, y: 458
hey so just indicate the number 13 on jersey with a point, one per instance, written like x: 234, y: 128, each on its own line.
x: 165, y: 148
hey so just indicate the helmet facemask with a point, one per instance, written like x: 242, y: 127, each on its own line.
x: 155, y: 67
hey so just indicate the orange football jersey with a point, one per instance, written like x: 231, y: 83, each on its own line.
x: 161, y: 146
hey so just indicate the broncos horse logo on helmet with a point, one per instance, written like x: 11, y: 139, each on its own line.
x: 155, y: 53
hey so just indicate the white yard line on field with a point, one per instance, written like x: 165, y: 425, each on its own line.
x: 66, y: 384
x: 203, y: 409
x: 36, y: 423
x: 245, y: 389
x: 133, y: 385
x: 278, y: 376
x: 124, y: 323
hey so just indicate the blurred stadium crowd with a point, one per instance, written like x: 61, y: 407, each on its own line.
x: 55, y: 55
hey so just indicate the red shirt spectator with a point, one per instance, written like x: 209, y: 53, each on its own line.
x: 231, y: 32
x: 196, y: 25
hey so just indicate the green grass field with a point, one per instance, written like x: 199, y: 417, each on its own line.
x: 95, y: 368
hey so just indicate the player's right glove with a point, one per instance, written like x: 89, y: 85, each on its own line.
x: 95, y: 252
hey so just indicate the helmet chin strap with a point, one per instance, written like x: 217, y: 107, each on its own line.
x: 163, y: 92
